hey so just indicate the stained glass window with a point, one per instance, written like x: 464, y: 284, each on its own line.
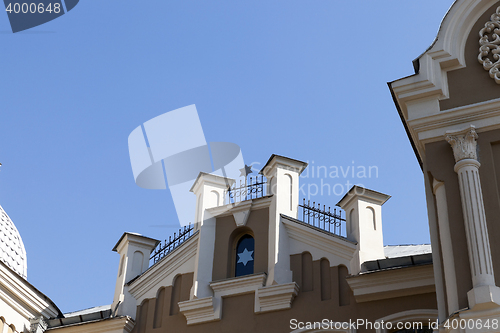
x: 244, y: 256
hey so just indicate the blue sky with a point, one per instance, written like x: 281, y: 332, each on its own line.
x: 304, y: 79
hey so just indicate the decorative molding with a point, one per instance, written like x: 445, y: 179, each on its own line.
x: 431, y: 128
x: 463, y: 143
x: 38, y: 325
x: 123, y: 324
x: 417, y: 96
x: 22, y: 297
x: 277, y: 297
x: 392, y: 283
x: 238, y: 285
x: 490, y: 49
x: 271, y: 298
x: 199, y: 310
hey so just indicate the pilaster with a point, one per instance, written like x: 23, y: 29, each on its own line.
x: 450, y: 278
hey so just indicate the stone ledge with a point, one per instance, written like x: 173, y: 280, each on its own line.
x: 277, y: 297
x: 198, y: 310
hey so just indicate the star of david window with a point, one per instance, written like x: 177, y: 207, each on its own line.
x: 244, y: 256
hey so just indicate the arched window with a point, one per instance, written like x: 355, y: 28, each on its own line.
x: 244, y: 256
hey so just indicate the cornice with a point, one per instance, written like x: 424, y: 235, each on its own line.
x: 164, y: 267
x: 485, y: 116
x: 238, y: 285
x: 270, y: 298
x: 277, y: 297
x: 430, y: 84
x: 199, y: 310
x: 125, y: 324
x: 392, y: 283
x: 27, y: 300
x: 137, y: 240
x: 282, y: 162
x: 212, y: 180
x: 357, y: 192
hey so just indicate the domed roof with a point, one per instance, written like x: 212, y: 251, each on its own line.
x: 12, y: 251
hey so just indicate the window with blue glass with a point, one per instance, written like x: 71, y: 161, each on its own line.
x: 244, y: 256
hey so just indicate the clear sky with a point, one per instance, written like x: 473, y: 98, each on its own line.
x: 304, y: 79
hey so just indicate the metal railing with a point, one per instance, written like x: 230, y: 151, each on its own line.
x: 250, y: 188
x: 174, y: 241
x: 322, y: 218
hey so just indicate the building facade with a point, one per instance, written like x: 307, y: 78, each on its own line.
x: 259, y: 259
x: 450, y: 110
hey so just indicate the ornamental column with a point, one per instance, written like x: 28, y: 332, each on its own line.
x: 467, y: 166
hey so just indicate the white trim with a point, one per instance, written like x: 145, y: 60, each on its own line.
x: 267, y: 299
x: 239, y: 285
x: 117, y: 324
x: 418, y: 95
x: 29, y: 304
x: 484, y: 115
x: 392, y: 283
x: 277, y: 297
x: 199, y: 310
x: 439, y: 189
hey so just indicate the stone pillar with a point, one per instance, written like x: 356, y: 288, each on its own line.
x: 282, y: 175
x: 363, y: 209
x: 134, y: 251
x: 467, y: 166
x: 210, y: 191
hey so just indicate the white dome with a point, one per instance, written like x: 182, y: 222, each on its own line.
x: 12, y: 251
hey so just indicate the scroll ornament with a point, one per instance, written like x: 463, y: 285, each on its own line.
x: 489, y: 50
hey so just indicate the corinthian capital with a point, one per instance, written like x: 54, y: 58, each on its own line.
x: 463, y: 143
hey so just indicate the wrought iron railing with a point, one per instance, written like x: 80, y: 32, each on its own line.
x: 250, y: 188
x: 173, y: 242
x: 322, y: 218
